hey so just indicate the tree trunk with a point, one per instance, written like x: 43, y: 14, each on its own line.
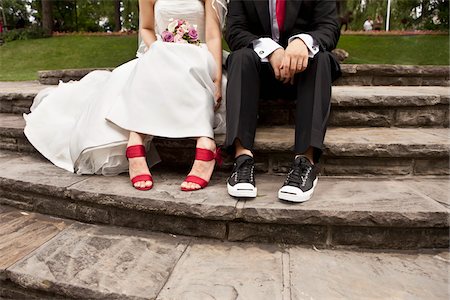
x: 117, y: 23
x: 47, y: 19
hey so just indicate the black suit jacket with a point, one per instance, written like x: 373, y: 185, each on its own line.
x: 248, y: 20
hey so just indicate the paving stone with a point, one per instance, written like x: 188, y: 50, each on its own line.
x: 396, y: 70
x: 390, y: 237
x: 349, y: 80
x: 27, y: 172
x: 432, y: 166
x: 423, y: 117
x: 277, y: 233
x: 363, y: 165
x: 11, y: 125
x: 361, y: 117
x: 53, y: 77
x: 6, y: 156
x: 30, y: 87
x: 8, y: 144
x: 378, y: 96
x: 93, y: 262
x: 165, y: 197
x: 9, y: 290
x: 23, y: 232
x: 402, y: 81
x: 328, y: 274
x: 227, y: 271
x: 387, y: 142
x: 438, y: 190
x: 6, y: 106
x: 430, y: 81
x: 347, y: 202
x: 200, y: 227
x: 21, y: 106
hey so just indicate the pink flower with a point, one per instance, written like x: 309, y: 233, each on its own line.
x: 193, y: 34
x: 180, y: 22
x: 179, y: 39
x: 167, y: 36
x: 181, y: 31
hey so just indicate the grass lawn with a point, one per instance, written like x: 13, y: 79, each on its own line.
x: 19, y: 60
x: 404, y: 50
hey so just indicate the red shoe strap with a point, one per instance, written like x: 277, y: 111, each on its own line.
x: 135, y: 151
x: 208, y: 155
x: 144, y: 177
x: 195, y: 179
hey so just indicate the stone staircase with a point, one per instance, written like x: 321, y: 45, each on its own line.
x: 43, y: 257
x: 384, y: 173
x: 384, y: 185
x: 374, y: 130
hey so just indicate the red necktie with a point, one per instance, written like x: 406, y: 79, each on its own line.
x: 281, y: 13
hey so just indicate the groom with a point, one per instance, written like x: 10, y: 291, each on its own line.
x: 280, y: 49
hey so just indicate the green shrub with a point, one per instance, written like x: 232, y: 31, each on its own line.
x: 29, y: 33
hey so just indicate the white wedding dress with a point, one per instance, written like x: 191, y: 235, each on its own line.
x: 168, y: 91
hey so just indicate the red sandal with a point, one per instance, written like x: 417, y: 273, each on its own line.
x: 203, y: 155
x: 139, y: 151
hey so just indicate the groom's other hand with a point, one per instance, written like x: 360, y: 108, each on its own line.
x: 295, y: 59
x: 276, y: 61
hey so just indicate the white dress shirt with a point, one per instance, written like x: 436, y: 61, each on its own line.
x: 265, y: 46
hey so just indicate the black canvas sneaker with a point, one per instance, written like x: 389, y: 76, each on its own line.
x: 300, y: 182
x: 241, y: 183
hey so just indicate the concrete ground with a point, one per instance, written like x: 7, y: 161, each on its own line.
x: 40, y: 254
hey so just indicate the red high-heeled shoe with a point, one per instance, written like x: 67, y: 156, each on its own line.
x: 204, y: 155
x: 139, y: 151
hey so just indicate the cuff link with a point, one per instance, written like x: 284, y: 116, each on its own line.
x: 261, y: 52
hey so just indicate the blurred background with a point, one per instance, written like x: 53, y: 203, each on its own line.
x: 54, y: 34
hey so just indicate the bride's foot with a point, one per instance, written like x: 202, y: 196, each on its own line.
x: 201, y: 168
x: 139, y: 173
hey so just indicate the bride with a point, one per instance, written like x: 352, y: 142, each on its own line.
x: 102, y: 123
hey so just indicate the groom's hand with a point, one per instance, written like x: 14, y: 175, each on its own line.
x: 295, y: 59
x: 276, y: 61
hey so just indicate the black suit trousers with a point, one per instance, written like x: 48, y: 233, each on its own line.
x: 250, y: 80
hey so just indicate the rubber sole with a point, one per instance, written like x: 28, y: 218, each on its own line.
x: 242, y: 190
x: 293, y: 194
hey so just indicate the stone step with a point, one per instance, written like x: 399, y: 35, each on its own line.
x: 82, y: 261
x: 348, y: 151
x: 344, y: 211
x: 394, y: 75
x: 351, y: 105
x: 352, y: 74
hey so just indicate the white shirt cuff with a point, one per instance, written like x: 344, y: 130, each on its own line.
x: 313, y: 47
x: 264, y: 47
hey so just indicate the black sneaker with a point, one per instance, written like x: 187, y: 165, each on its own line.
x: 300, y: 182
x: 241, y: 183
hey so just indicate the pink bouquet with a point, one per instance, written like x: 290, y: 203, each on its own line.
x: 180, y: 31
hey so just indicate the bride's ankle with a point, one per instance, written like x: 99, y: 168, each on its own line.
x: 206, y: 143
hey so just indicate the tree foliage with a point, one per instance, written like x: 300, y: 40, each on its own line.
x: 102, y: 15
x: 405, y: 14
x: 15, y: 12
x: 89, y: 15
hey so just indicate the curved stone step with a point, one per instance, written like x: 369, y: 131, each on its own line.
x: 351, y: 105
x: 367, y: 212
x: 352, y: 74
x: 83, y: 261
x: 348, y: 151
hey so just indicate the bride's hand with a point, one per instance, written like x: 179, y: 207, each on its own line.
x: 218, y: 94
